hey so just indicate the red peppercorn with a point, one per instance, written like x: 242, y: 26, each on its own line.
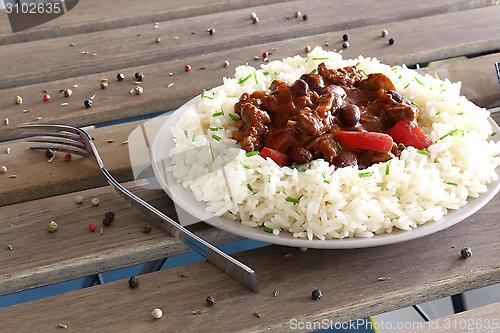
x: 187, y: 68
x: 265, y: 56
x: 67, y: 157
x: 46, y: 97
x: 92, y: 227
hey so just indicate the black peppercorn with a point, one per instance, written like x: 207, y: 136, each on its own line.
x: 133, y: 282
x: 305, y: 17
x: 87, y: 103
x: 120, y: 76
x: 391, y: 41
x: 211, y: 31
x: 210, y: 301
x: 316, y: 294
x: 139, y: 76
x: 146, y: 228
x: 345, y: 37
x: 345, y: 45
x: 108, y: 218
x: 49, y: 153
x: 466, y: 252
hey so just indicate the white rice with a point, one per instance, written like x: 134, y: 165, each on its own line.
x: 412, y: 190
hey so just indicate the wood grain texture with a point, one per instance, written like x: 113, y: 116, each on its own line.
x: 116, y: 102
x: 98, y: 15
x: 40, y: 258
x: 484, y: 319
x: 420, y: 270
x: 118, y: 48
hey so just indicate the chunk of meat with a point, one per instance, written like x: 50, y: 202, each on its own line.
x: 345, y: 159
x: 256, y: 125
x: 315, y: 81
x: 346, y: 76
x: 300, y: 88
x: 324, y: 146
x: 281, y: 139
x: 376, y: 81
x: 244, y: 99
x: 320, y: 120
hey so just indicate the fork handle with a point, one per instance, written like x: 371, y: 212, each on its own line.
x: 234, y: 268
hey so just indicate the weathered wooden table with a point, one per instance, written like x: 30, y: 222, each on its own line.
x: 98, y: 39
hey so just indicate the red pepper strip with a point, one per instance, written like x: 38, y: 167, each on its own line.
x: 373, y: 141
x: 278, y: 157
x: 409, y: 134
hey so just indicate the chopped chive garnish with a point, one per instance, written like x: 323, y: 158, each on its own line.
x: 295, y: 201
x: 420, y: 82
x: 313, y: 71
x: 249, y: 187
x: 452, y: 183
x: 451, y: 133
x: 436, y: 75
x: 388, y: 167
x: 276, y: 73
x: 217, y: 114
x: 328, y: 181
x: 268, y: 230
x: 364, y: 73
x: 216, y: 137
x: 413, y: 103
x: 493, y: 134
x: 320, y: 58
x: 205, y: 96
x: 234, y: 117
x: 406, y: 86
x: 423, y: 152
x: 246, y: 167
x: 214, y: 129
x: 255, y: 77
x: 365, y: 174
x: 357, y: 64
x: 394, y: 68
x: 301, y: 169
x: 460, y: 113
x: 252, y: 153
x: 241, y: 81
x: 266, y: 73
x: 186, y: 133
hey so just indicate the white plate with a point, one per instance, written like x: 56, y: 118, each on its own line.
x: 185, y: 199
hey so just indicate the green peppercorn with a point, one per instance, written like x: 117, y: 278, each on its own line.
x: 466, y: 252
x: 19, y: 100
x: 52, y: 227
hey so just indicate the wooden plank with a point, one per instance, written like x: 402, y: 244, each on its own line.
x: 116, y: 102
x: 40, y: 258
x: 98, y: 15
x: 118, y: 48
x: 419, y: 271
x: 482, y: 319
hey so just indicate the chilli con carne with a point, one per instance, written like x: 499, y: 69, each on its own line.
x: 340, y: 115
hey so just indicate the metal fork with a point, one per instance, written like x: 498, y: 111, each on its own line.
x: 76, y: 141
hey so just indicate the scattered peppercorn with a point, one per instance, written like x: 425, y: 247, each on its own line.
x: 67, y: 92
x: 104, y: 83
x: 49, y: 153
x: 316, y: 294
x: 253, y: 15
x: 345, y: 37
x: 6, y: 121
x: 156, y: 313
x: 3, y: 169
x: 466, y: 252
x: 276, y: 293
x: 146, y: 228
x: 157, y: 40
x: 307, y: 49
x: 87, y: 103
x: 305, y: 17
x: 345, y: 45
x: 187, y: 68
x: 298, y: 14
x: 265, y: 56
x: 139, y: 76
x: 196, y: 312
x: 10, y: 247
x: 95, y: 202
x: 46, y: 97
x: 92, y: 227
x: 62, y: 325
x: 52, y: 227
x: 68, y: 157
x: 226, y: 63
x: 138, y: 90
x: 210, y: 301
x: 19, y: 100
x: 384, y: 33
x: 109, y: 217
x: 120, y: 76
x: 257, y: 315
x: 133, y: 282
x: 78, y: 199
x: 391, y: 41
x: 255, y: 20
x: 211, y: 31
